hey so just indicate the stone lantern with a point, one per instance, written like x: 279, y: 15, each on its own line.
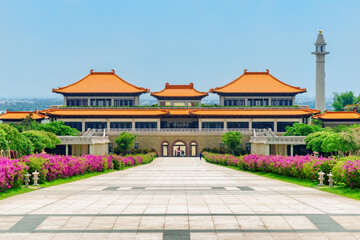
x: 27, y: 180
x: 331, y: 180
x: 321, y: 178
x: 36, y: 178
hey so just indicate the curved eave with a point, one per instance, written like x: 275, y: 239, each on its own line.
x: 215, y: 90
x: 59, y: 90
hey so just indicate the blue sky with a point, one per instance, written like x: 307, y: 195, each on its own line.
x: 47, y: 44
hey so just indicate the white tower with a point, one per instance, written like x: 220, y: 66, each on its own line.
x: 320, y: 72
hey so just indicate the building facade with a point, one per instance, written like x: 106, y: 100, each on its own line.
x: 179, y: 125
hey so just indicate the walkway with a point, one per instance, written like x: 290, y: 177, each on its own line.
x: 179, y: 198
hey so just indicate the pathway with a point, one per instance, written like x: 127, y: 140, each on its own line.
x: 179, y: 198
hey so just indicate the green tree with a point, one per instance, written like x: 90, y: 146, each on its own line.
x: 37, y: 139
x: 233, y: 141
x: 124, y: 142
x: 337, y: 142
x: 41, y: 139
x: 58, y: 128
x: 4, y: 145
x: 314, y: 141
x: 343, y: 99
x: 15, y: 140
x: 301, y: 129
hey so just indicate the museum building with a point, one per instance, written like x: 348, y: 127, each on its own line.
x: 108, y: 105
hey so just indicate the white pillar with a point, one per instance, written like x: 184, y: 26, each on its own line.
x: 133, y: 124
x: 83, y: 125
x: 275, y: 126
x: 291, y: 150
x: 158, y: 124
x: 320, y: 72
x: 67, y: 150
x: 108, y: 124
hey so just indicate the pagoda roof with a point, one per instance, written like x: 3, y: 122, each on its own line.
x: 257, y: 82
x: 179, y: 91
x: 345, y: 115
x: 20, y: 115
x: 101, y: 82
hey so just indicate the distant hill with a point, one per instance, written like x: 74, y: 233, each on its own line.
x: 28, y: 104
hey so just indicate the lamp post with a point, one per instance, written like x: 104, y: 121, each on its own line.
x: 331, y: 180
x: 321, y: 178
x: 27, y: 180
x: 36, y: 177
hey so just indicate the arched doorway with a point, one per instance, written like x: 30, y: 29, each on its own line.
x: 165, y: 149
x: 193, y: 149
x: 179, y: 149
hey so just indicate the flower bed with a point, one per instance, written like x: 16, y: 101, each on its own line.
x: 11, y: 173
x: 51, y: 167
x: 298, y: 166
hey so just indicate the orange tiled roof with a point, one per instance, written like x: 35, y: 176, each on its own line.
x: 19, y: 115
x: 105, y: 112
x: 179, y: 112
x: 346, y: 115
x: 179, y: 91
x: 101, y: 82
x: 254, y: 112
x: 257, y: 82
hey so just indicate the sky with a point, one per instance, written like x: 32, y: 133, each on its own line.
x: 49, y: 44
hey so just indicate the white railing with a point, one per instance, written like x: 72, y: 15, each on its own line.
x: 172, y: 107
x: 247, y: 131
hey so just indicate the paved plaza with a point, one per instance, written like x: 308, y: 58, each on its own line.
x: 179, y: 198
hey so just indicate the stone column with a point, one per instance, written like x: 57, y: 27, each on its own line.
x: 158, y: 124
x: 137, y: 101
x: 133, y: 124
x: 275, y: 126
x: 83, y: 125
x: 108, y: 124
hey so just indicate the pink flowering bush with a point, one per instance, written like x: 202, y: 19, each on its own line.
x: 11, y: 173
x: 348, y: 172
x: 298, y: 166
x: 51, y: 167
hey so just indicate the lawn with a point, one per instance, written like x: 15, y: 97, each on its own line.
x: 17, y: 191
x: 339, y: 189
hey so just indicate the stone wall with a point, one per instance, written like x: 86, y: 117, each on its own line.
x: 155, y: 141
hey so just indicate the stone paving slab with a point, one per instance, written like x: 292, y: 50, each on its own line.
x: 179, y: 198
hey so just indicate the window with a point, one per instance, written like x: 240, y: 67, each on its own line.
x: 321, y: 48
x: 234, y: 102
x: 145, y: 124
x: 165, y: 149
x: 136, y: 145
x: 100, y: 102
x: 237, y: 125
x: 193, y: 149
x: 212, y: 125
x: 95, y: 125
x: 76, y: 102
x: 282, y: 125
x: 111, y: 150
x: 281, y: 102
x: 263, y: 125
x: 117, y: 125
x: 77, y: 125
